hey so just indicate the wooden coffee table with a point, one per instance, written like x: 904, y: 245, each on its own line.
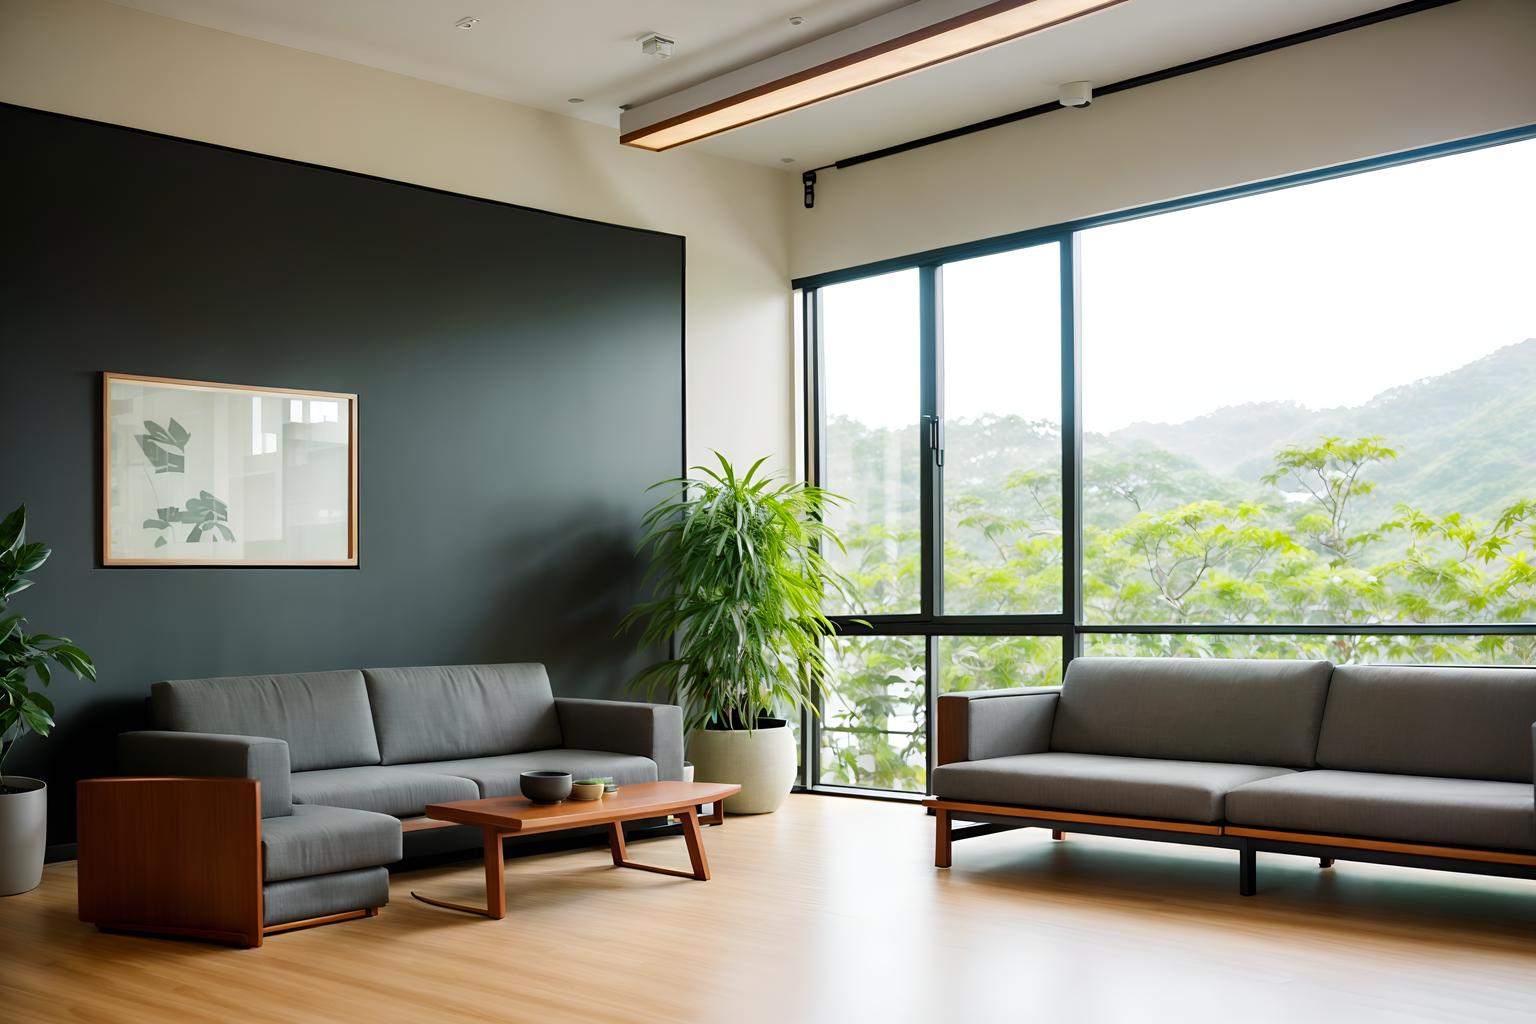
x: 499, y: 817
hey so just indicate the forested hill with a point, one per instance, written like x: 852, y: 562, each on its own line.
x: 1466, y: 440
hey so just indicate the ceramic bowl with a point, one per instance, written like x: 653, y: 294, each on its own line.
x: 545, y: 787
x: 586, y: 790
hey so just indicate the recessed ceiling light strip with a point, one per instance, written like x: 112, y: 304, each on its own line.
x: 944, y: 40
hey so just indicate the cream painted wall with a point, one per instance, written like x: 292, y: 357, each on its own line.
x: 1435, y: 76
x: 108, y: 63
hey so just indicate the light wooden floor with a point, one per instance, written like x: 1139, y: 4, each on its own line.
x: 831, y: 910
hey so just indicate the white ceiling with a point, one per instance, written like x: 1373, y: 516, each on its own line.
x: 543, y: 52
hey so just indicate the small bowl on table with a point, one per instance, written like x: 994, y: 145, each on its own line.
x: 587, y: 789
x: 545, y: 787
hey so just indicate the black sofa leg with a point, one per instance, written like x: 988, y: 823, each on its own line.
x: 1325, y: 862
x: 1247, y: 869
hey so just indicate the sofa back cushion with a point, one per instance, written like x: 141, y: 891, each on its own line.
x: 1451, y: 722
x: 323, y: 716
x: 457, y: 711
x: 1193, y: 709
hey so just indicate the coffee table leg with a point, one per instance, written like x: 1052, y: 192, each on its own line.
x: 616, y: 844
x: 695, y: 841
x: 495, y: 883
x: 689, y: 818
x: 495, y: 876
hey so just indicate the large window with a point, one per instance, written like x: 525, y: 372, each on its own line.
x: 1001, y: 417
x: 1291, y: 422
x: 1316, y: 404
x: 869, y: 386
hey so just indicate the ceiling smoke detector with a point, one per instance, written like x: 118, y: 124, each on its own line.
x: 658, y: 46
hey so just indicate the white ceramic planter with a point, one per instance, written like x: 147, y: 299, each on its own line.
x: 704, y: 809
x: 761, y: 762
x: 23, y: 834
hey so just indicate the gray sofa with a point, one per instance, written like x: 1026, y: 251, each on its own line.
x: 1424, y: 766
x: 347, y: 762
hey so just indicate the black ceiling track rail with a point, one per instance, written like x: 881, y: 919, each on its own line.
x: 1241, y: 53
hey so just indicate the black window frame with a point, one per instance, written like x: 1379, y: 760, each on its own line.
x: 1068, y: 624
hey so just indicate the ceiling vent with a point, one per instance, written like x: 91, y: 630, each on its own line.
x: 657, y: 46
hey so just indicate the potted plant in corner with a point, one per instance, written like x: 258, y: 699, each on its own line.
x: 739, y: 580
x: 23, y: 801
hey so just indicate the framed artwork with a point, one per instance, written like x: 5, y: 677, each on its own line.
x: 201, y: 473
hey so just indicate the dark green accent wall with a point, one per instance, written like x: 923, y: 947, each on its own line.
x: 520, y: 383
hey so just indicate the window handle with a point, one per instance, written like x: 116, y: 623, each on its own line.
x: 936, y: 439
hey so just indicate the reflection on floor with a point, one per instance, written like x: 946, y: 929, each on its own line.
x: 831, y: 910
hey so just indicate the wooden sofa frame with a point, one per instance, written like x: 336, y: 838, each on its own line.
x: 1248, y: 842
x: 182, y: 856
x: 177, y: 856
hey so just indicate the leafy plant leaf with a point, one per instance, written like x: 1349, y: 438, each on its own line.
x: 38, y: 720
x: 13, y: 530
x: 31, y: 556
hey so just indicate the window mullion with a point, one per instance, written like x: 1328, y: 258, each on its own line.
x: 929, y: 439
x: 1071, y: 443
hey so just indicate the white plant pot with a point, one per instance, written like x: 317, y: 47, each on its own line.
x: 704, y: 809
x: 23, y: 834
x: 762, y: 762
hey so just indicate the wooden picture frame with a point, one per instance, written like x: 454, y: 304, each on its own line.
x: 190, y: 523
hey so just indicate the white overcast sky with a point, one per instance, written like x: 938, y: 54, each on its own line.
x: 1325, y: 295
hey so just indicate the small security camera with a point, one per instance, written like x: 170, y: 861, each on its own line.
x: 1075, y: 94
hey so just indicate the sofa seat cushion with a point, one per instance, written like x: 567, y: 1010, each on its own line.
x: 300, y: 899
x: 498, y: 776
x: 324, y: 840
x: 1408, y: 808
x: 380, y: 788
x: 1135, y: 787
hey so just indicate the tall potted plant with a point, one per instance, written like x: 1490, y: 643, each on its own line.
x: 24, y: 801
x: 739, y: 580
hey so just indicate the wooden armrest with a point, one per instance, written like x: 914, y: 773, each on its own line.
x: 178, y: 856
